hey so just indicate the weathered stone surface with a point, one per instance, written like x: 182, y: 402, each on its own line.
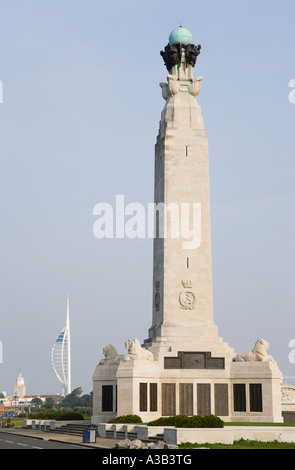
x: 124, y: 444
x: 136, y: 444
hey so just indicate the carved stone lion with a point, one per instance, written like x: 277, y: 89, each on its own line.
x: 258, y: 353
x: 111, y: 355
x: 136, y: 352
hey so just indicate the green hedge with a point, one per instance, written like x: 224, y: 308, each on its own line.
x: 183, y: 421
x: 55, y: 415
x: 127, y: 419
x: 179, y: 421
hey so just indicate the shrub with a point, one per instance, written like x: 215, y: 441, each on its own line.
x: 183, y: 421
x: 57, y: 416
x: 71, y: 415
x: 127, y: 419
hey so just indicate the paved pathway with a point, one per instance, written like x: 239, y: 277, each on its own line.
x: 56, y: 437
x: 13, y: 441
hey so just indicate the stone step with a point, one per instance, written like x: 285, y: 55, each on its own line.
x: 157, y: 438
x: 71, y: 429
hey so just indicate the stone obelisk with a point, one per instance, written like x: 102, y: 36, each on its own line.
x: 184, y: 367
x: 182, y: 271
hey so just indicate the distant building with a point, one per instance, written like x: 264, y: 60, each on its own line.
x: 27, y: 399
x: 16, y: 404
x: 20, y: 387
x: 19, y: 401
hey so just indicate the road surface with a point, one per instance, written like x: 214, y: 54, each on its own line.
x: 13, y: 441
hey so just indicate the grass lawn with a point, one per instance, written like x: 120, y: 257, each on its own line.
x: 14, y: 422
x: 259, y: 424
x: 242, y: 444
x: 246, y: 444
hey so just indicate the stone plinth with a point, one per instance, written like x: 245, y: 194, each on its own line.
x: 191, y: 382
x: 269, y: 377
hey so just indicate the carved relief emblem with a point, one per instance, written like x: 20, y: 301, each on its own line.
x: 187, y: 298
x: 157, y: 296
x: 288, y: 394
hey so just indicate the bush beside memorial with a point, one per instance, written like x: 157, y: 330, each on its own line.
x: 183, y: 421
x: 128, y: 419
x: 57, y: 416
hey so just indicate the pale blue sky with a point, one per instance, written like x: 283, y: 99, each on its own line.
x: 78, y: 125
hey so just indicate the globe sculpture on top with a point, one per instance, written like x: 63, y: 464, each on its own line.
x: 181, y: 35
x: 180, y: 39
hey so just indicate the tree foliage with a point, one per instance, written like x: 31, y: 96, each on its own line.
x: 76, y: 399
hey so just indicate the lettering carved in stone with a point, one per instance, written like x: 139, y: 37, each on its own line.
x: 194, y: 360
